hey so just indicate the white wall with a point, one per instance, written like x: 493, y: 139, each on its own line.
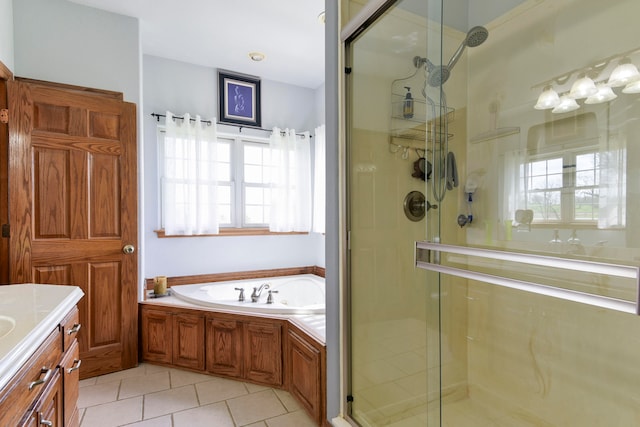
x: 181, y: 88
x: 6, y: 33
x: 60, y: 41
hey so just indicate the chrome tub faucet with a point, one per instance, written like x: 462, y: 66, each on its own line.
x: 255, y: 295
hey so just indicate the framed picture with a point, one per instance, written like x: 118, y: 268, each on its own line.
x: 239, y: 99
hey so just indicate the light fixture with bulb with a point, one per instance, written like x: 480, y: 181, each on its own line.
x: 623, y: 74
x: 584, y: 87
x: 593, y: 83
x: 604, y: 94
x: 256, y: 56
x: 633, y: 87
x: 566, y: 104
x: 548, y: 99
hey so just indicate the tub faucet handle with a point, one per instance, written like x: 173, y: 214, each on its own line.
x: 270, y: 297
x: 241, y: 296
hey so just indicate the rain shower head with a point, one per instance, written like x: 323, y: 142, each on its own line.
x: 438, y: 75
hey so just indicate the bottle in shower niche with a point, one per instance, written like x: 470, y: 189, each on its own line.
x: 407, y: 107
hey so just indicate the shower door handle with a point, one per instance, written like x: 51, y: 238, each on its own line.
x: 434, y: 250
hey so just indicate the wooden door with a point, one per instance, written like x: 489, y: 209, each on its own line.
x: 72, y: 197
x: 5, y: 76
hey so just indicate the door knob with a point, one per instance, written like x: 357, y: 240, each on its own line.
x: 128, y: 249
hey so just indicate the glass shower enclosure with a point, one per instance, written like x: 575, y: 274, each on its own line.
x: 492, y: 182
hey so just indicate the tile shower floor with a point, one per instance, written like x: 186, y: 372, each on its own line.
x: 156, y: 396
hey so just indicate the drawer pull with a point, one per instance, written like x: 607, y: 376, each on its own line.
x: 75, y: 366
x: 47, y: 374
x: 44, y: 422
x: 75, y: 329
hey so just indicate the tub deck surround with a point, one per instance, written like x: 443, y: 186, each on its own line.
x: 238, y: 275
x: 28, y: 312
x: 313, y: 324
x: 300, y: 294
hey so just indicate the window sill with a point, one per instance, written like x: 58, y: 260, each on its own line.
x: 227, y: 232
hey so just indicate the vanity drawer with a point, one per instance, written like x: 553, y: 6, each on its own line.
x: 70, y: 326
x: 27, y: 385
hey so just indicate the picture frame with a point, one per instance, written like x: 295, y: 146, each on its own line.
x: 239, y: 99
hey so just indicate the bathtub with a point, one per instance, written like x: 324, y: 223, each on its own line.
x: 300, y: 294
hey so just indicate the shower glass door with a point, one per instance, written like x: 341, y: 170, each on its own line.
x: 513, y: 301
x: 391, y: 113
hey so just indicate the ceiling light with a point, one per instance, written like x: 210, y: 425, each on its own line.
x: 548, y: 99
x: 256, y: 56
x: 604, y: 94
x: 566, y: 104
x: 623, y: 74
x: 321, y: 17
x: 583, y: 88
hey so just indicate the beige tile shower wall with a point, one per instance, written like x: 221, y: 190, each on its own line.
x: 554, y: 362
x: 547, y: 361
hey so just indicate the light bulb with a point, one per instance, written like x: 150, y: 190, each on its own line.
x: 566, y: 104
x: 604, y: 94
x: 548, y: 99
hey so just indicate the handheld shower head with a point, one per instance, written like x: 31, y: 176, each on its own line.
x: 475, y: 37
x: 439, y: 75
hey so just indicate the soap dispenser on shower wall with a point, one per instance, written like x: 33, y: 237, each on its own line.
x: 407, y: 107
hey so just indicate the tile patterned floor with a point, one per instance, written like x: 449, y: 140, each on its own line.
x: 156, y: 396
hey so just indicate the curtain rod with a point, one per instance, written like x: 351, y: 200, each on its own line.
x: 157, y: 116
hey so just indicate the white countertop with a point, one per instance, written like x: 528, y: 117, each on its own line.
x: 28, y: 314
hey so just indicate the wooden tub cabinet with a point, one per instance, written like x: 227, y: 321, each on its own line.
x: 262, y: 350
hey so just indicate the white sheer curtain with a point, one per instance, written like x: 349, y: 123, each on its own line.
x: 319, y: 178
x: 612, y: 211
x: 513, y: 184
x: 290, y: 181
x: 189, y: 179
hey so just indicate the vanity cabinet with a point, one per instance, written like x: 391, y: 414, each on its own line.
x: 49, y: 408
x: 43, y: 392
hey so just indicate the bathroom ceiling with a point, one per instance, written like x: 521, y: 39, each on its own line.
x: 221, y: 33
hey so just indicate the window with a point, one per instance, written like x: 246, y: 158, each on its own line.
x: 243, y: 178
x: 256, y: 176
x: 562, y: 188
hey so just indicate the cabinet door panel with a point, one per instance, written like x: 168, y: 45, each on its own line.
x: 188, y: 341
x: 224, y: 347
x: 71, y: 384
x: 263, y: 353
x: 305, y: 376
x: 157, y: 335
